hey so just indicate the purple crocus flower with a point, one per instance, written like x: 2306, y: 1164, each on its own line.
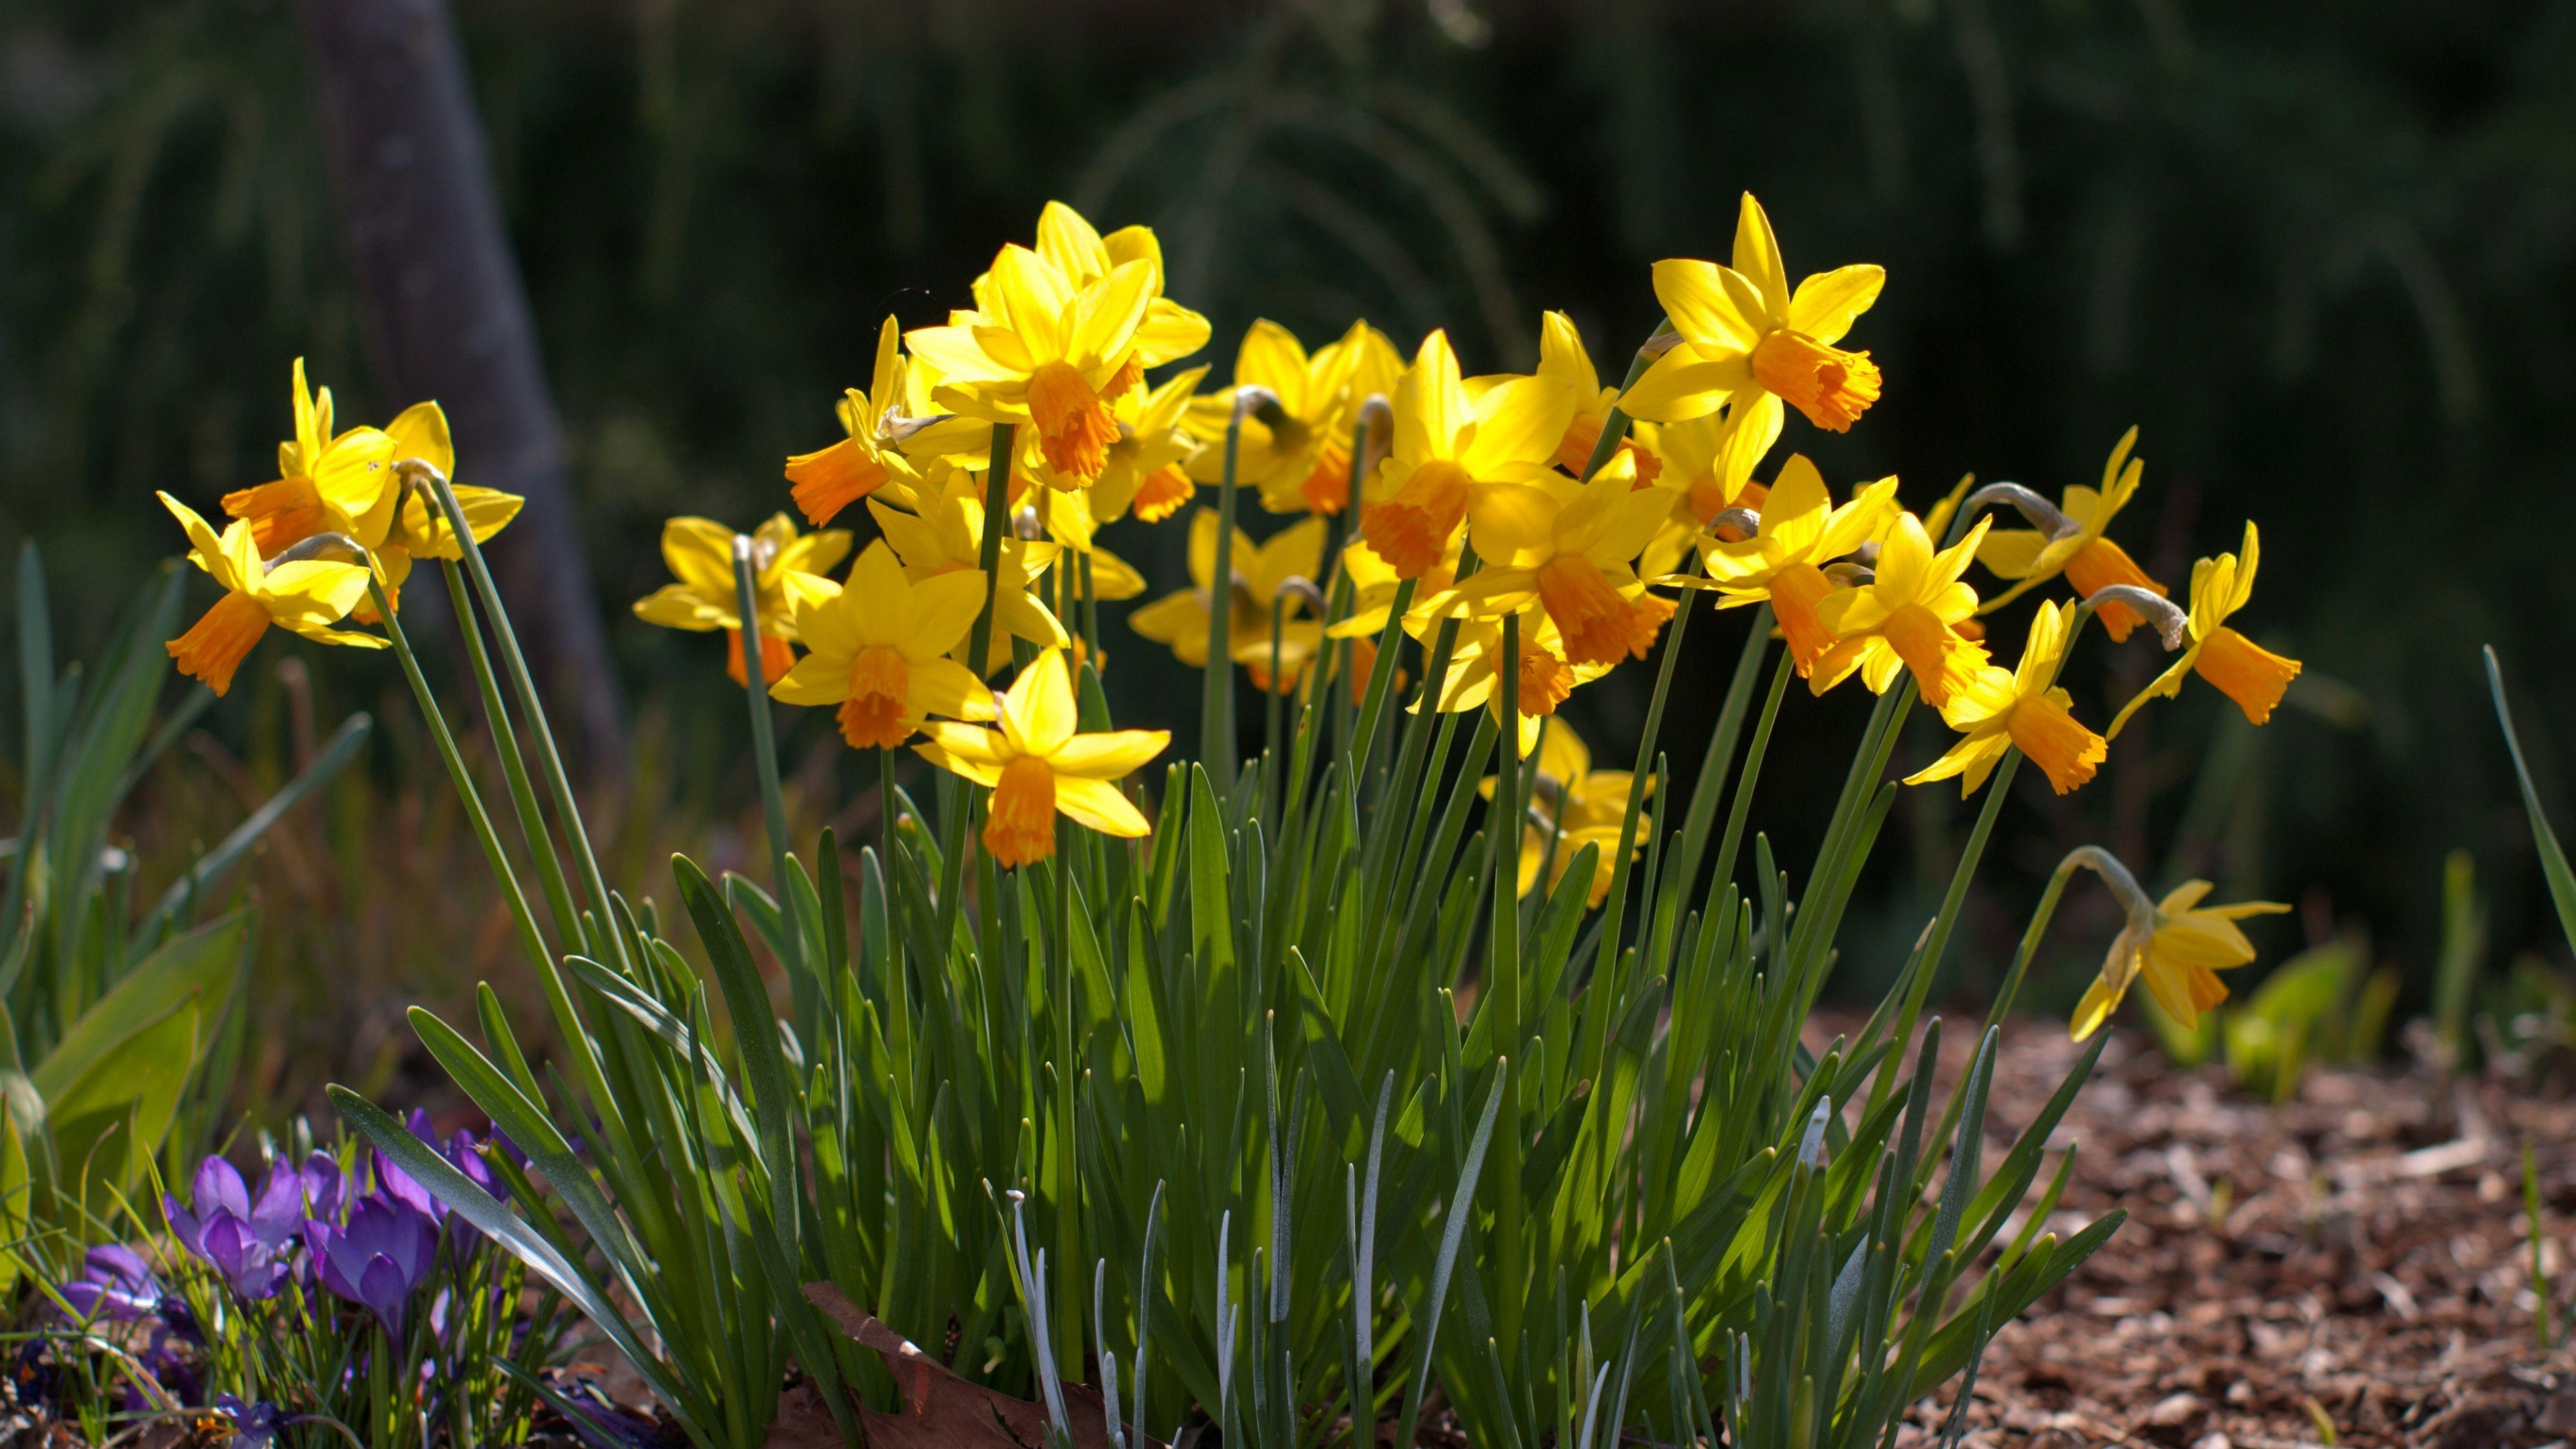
x: 255, y: 1426
x: 246, y: 1240
x: 379, y: 1259
x: 115, y: 1285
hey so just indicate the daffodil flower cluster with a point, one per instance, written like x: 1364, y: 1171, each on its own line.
x: 299, y: 551
x: 1520, y: 528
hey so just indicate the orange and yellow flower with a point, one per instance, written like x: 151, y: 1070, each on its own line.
x: 1038, y: 766
x: 304, y: 596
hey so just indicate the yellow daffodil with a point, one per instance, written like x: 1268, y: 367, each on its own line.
x: 1561, y: 355
x: 419, y: 527
x: 326, y: 483
x: 1057, y: 335
x: 2090, y: 561
x: 1374, y: 583
x: 1302, y: 462
x: 305, y: 596
x: 1748, y: 343
x: 879, y: 649
x: 1566, y: 546
x: 1261, y: 575
x: 1543, y: 676
x: 1449, y: 443
x: 1707, y: 471
x: 2178, y: 948
x: 881, y: 425
x: 1581, y: 806
x: 1783, y: 562
x: 2021, y: 708
x: 1038, y: 767
x: 2241, y: 669
x: 1905, y: 619
x: 1170, y: 331
x: 1148, y: 467
x: 786, y: 566
x: 948, y: 537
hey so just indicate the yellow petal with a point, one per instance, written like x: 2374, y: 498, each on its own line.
x: 1827, y: 303
x: 941, y: 612
x: 1109, y: 754
x: 1703, y: 310
x: 1518, y: 427
x: 815, y: 679
x: 1038, y: 714
x: 1757, y: 257
x: 944, y: 686
x: 1097, y: 803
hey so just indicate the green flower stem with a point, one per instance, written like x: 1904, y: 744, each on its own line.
x: 1390, y: 641
x: 764, y: 741
x: 1503, y: 979
x: 1090, y: 610
x: 957, y: 822
x: 1605, y: 985
x: 1274, y: 759
x: 1067, y: 1186
x: 549, y: 755
x: 568, y: 1022
x: 1716, y: 765
x: 514, y: 765
x: 988, y: 555
x: 1217, y: 745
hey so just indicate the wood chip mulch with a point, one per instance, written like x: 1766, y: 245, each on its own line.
x: 2350, y: 1268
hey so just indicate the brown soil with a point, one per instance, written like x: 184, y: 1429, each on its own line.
x: 2350, y: 1268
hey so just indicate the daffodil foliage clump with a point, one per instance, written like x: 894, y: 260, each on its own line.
x: 1414, y: 1060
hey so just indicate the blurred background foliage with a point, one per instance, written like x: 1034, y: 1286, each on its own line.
x: 2320, y: 252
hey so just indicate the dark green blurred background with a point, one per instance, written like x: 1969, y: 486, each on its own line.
x: 2319, y: 252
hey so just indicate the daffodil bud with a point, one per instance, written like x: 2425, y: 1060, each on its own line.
x: 1743, y: 520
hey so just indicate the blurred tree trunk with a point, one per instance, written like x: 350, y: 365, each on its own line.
x: 447, y: 318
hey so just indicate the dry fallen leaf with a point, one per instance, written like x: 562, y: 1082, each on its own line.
x: 940, y: 1410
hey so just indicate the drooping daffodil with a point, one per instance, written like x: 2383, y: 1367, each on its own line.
x: 1801, y: 531
x: 786, y: 566
x: 2178, y: 948
x: 326, y: 483
x: 1906, y: 618
x: 2241, y: 669
x: 1261, y: 575
x: 2021, y: 708
x: 304, y: 596
x: 2079, y: 548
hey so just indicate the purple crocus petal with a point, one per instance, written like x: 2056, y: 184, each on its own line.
x: 255, y: 1426
x: 279, y: 1210
x: 379, y: 1259
x: 324, y: 1185
x: 396, y: 1185
x: 183, y: 1223
x: 219, y: 1187
x: 114, y: 1284
x: 227, y: 1243
x: 384, y: 1291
